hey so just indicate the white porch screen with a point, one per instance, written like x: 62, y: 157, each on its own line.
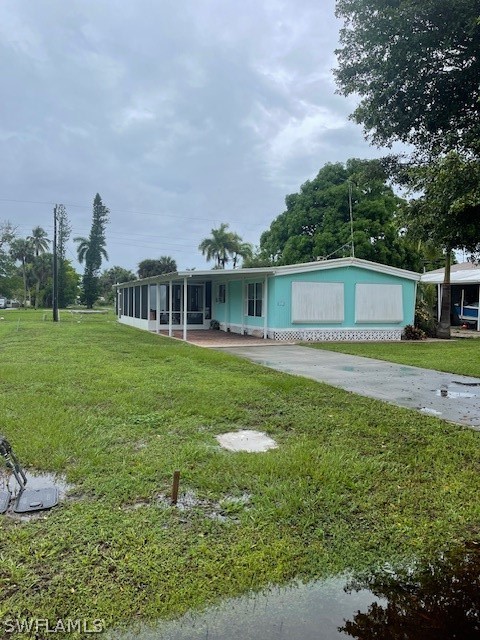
x: 317, y: 302
x: 378, y: 303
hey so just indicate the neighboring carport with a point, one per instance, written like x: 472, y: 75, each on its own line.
x: 465, y: 284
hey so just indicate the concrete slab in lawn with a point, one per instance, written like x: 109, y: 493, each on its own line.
x: 446, y: 395
x: 246, y: 440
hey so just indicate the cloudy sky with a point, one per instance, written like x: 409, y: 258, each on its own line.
x: 181, y: 114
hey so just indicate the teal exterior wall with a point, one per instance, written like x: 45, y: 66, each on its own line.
x: 279, y: 303
x: 232, y: 311
x: 280, y: 288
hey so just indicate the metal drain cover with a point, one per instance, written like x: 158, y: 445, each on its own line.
x: 36, y: 500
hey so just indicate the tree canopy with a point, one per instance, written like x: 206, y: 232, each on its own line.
x: 7, y: 264
x: 447, y: 213
x: 21, y: 250
x: 92, y: 250
x: 64, y: 268
x: 416, y: 68
x: 150, y: 267
x: 317, y: 224
x: 39, y: 242
x: 112, y: 276
x: 224, y: 246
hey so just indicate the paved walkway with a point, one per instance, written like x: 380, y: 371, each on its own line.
x: 446, y: 395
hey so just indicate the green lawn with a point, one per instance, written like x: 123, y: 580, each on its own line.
x: 353, y: 483
x: 461, y: 356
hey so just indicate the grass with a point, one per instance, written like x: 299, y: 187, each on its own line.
x: 354, y: 482
x: 460, y: 356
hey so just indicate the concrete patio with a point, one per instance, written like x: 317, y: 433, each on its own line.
x: 218, y: 339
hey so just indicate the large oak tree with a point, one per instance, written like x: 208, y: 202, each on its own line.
x: 416, y: 67
x: 317, y: 222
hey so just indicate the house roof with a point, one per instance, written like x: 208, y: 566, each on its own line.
x: 321, y: 265
x: 463, y: 273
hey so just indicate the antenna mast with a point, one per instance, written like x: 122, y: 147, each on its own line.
x: 351, y: 217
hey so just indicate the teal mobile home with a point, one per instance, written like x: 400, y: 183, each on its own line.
x: 343, y: 299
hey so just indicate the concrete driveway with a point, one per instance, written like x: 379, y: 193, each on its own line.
x: 445, y: 395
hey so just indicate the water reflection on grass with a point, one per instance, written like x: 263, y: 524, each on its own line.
x: 434, y: 601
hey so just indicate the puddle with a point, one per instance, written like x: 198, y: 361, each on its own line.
x: 35, y: 481
x: 307, y: 612
x: 446, y: 393
x: 224, y: 510
x: 246, y: 440
x: 438, y: 601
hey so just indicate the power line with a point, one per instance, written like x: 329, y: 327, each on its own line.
x: 129, y: 212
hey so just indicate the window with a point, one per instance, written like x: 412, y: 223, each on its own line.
x: 254, y: 299
x: 221, y: 293
x: 130, y: 302
x: 136, y: 302
x: 144, y: 298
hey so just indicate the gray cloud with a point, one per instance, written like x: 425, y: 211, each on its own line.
x: 181, y: 116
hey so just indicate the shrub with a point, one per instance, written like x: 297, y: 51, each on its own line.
x: 413, y: 333
x: 425, y: 315
x: 214, y: 324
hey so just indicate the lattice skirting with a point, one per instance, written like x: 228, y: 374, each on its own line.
x: 331, y: 335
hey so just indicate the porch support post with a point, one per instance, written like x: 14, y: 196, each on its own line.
x: 439, y: 301
x: 243, y: 306
x: 185, y: 291
x: 265, y: 307
x: 157, y: 309
x: 148, y: 307
x: 478, y: 310
x: 170, y: 308
x: 227, y: 307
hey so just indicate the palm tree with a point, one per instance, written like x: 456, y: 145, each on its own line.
x: 167, y: 264
x: 218, y: 246
x: 21, y: 250
x: 41, y: 269
x: 86, y: 247
x: 39, y: 242
x: 240, y: 249
x: 82, y: 249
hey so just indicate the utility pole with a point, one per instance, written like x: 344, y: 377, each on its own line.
x: 55, y: 267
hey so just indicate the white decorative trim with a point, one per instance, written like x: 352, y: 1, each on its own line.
x: 334, y: 335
